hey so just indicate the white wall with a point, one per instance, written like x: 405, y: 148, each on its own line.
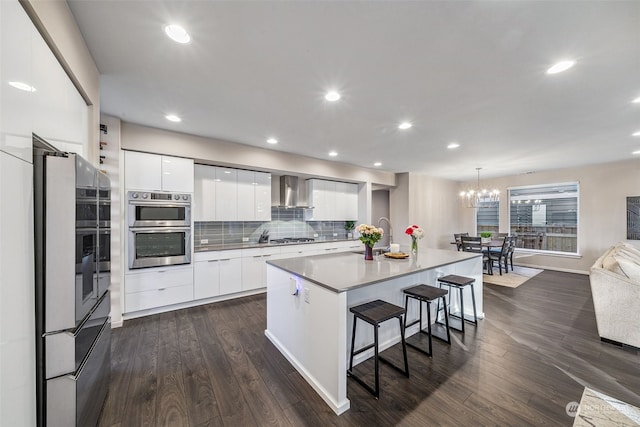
x: 428, y: 202
x: 602, y: 222
x: 213, y: 151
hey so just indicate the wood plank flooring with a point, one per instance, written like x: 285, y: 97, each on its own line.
x: 212, y: 366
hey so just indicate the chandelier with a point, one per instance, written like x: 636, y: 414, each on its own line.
x: 479, y: 197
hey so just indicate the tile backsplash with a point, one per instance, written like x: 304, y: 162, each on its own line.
x: 284, y: 223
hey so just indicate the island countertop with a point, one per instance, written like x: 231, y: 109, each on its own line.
x: 342, y: 272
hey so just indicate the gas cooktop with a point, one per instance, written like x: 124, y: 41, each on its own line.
x: 293, y: 240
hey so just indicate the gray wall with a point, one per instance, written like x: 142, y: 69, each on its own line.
x: 602, y: 209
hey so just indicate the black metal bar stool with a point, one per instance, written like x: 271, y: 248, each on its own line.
x: 374, y: 313
x: 459, y: 283
x: 424, y: 293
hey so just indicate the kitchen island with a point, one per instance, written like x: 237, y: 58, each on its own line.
x: 308, y: 300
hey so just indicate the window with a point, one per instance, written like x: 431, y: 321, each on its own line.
x: 487, y: 217
x: 545, y: 217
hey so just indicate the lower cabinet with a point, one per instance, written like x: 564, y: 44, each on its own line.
x: 217, y: 273
x: 157, y: 287
x: 254, y: 266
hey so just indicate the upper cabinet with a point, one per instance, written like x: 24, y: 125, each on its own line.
x: 16, y: 103
x: 226, y: 194
x: 154, y: 172
x: 36, y: 95
x: 226, y: 197
x: 332, y: 201
x: 204, y: 193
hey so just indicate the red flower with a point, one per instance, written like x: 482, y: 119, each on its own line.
x: 409, y: 230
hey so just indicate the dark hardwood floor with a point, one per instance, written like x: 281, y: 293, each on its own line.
x: 212, y: 365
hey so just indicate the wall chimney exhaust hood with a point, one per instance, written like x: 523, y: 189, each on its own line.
x: 289, y: 193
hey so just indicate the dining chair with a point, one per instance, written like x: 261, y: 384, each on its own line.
x: 457, y: 237
x: 501, y: 257
x: 474, y: 244
x: 513, y: 243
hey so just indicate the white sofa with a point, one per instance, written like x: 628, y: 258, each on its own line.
x: 615, y: 285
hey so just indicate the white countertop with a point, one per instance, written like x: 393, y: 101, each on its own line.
x: 342, y: 272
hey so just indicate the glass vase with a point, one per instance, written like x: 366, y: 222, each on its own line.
x: 368, y: 253
x: 414, y: 246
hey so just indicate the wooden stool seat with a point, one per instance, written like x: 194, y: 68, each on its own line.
x: 459, y: 282
x: 424, y: 293
x: 374, y: 313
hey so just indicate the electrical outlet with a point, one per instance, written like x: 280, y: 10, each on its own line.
x: 315, y: 234
x: 335, y: 234
x: 307, y: 295
x: 204, y: 241
x: 245, y: 239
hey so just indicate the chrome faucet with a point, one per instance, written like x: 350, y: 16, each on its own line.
x: 384, y: 218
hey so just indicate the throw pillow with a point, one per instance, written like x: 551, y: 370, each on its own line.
x: 630, y: 268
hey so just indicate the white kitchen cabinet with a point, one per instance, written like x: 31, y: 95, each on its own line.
x: 206, y: 278
x: 204, y: 193
x: 246, y: 195
x: 263, y: 196
x: 226, y: 198
x: 60, y: 114
x: 16, y: 105
x: 177, y: 174
x: 142, y: 171
x: 226, y: 194
x: 254, y: 266
x: 217, y: 273
x: 346, y: 201
x: 17, y: 292
x: 332, y: 201
x: 254, y: 196
x: 157, y: 287
x: 154, y: 172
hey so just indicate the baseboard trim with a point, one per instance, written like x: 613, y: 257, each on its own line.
x: 337, y: 407
x: 546, y: 267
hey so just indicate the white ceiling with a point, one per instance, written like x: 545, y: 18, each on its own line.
x: 470, y: 72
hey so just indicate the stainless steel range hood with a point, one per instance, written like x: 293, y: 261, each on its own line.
x: 290, y: 193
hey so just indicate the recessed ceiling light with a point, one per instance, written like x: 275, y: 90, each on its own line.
x: 404, y: 125
x: 22, y: 86
x: 177, y: 33
x: 453, y: 145
x: 636, y: 134
x: 332, y: 96
x: 636, y: 152
x: 333, y: 153
x: 377, y: 164
x: 561, y: 66
x: 272, y: 141
x: 636, y: 101
x: 173, y: 118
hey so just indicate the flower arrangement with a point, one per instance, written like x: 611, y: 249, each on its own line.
x: 416, y: 233
x: 369, y: 235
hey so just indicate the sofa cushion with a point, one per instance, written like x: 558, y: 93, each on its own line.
x: 633, y: 256
x: 630, y: 248
x: 611, y: 263
x: 630, y: 268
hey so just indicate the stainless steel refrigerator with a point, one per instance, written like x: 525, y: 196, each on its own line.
x: 72, y: 254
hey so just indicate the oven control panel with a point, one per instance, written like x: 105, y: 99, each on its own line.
x: 159, y: 197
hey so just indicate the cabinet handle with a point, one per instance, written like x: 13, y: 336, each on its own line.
x: 257, y: 256
x: 162, y: 289
x: 226, y: 259
x: 213, y: 260
x: 266, y: 256
x: 162, y: 271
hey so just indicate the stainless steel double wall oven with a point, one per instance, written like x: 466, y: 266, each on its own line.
x: 72, y: 252
x: 159, y: 229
